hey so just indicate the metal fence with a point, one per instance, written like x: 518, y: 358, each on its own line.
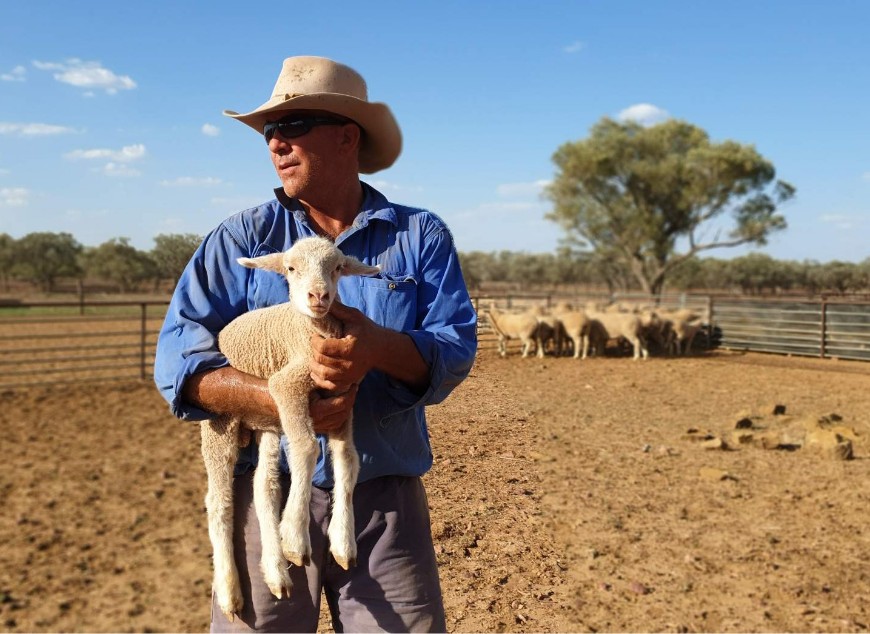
x: 819, y: 328
x: 50, y: 343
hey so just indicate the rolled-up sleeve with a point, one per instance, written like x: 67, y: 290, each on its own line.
x: 210, y: 293
x: 446, y: 335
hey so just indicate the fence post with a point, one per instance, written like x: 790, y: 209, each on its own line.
x: 824, y: 333
x: 143, y: 323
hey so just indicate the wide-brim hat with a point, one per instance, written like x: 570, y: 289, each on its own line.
x: 317, y: 83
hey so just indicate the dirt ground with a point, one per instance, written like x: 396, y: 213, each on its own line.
x: 603, y: 495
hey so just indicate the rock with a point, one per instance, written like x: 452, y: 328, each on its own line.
x: 714, y: 444
x: 778, y: 410
x: 742, y: 437
x: 638, y: 588
x: 743, y: 423
x: 829, y: 443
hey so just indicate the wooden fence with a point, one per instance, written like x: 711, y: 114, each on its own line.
x: 50, y: 343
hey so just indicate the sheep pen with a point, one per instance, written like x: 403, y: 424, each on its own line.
x: 604, y: 495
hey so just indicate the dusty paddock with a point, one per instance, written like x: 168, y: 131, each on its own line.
x: 566, y: 496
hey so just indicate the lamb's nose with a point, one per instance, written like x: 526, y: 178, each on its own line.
x: 318, y: 297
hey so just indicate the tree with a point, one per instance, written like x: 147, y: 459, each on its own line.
x: 118, y: 261
x: 42, y: 257
x: 7, y: 259
x: 637, y: 195
x: 172, y: 252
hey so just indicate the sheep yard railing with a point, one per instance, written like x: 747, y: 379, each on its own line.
x: 50, y: 343
x: 825, y: 328
x: 53, y: 343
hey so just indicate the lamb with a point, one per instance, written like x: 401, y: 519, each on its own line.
x: 274, y: 343
x: 523, y: 326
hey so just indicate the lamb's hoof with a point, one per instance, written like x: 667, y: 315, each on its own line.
x: 231, y: 607
x: 279, y: 583
x: 344, y: 562
x: 297, y: 559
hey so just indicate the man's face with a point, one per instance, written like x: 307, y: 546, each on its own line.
x: 301, y: 162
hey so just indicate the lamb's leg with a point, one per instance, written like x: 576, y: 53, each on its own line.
x: 220, y: 449
x: 345, y: 465
x: 267, y: 502
x: 288, y: 389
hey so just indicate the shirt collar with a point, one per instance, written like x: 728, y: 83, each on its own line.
x: 375, y: 206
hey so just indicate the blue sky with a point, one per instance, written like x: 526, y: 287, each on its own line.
x: 111, y: 124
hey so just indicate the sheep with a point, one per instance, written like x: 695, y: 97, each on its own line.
x: 622, y: 325
x: 550, y: 328
x: 274, y: 343
x: 523, y: 326
x: 683, y: 325
x: 576, y: 328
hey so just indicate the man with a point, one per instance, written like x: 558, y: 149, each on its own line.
x: 409, y: 340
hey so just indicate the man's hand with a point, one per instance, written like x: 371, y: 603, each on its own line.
x: 337, y: 364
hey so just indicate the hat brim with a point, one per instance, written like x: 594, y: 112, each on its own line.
x: 382, y: 139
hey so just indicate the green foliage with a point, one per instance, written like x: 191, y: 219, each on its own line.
x: 172, y: 252
x: 7, y: 259
x: 636, y: 194
x: 42, y: 257
x: 118, y: 261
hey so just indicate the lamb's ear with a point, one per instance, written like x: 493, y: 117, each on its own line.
x: 271, y: 262
x: 352, y: 266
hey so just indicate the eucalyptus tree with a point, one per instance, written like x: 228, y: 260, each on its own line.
x: 654, y: 197
x: 172, y: 252
x: 119, y: 262
x: 42, y: 257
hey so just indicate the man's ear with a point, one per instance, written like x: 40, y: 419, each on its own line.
x: 271, y: 262
x: 352, y: 266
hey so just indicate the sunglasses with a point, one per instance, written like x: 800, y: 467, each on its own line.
x: 296, y: 126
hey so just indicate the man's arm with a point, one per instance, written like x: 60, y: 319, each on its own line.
x: 228, y: 391
x: 338, y: 364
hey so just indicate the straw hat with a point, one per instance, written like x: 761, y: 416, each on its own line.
x: 317, y: 83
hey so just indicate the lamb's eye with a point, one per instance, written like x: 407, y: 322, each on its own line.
x: 290, y: 269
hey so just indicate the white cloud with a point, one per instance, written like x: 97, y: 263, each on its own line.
x: 522, y: 190
x: 16, y: 74
x: 190, y: 181
x: 88, y: 75
x: 126, y: 154
x: 118, y: 160
x: 119, y: 170
x: 840, y: 221
x: 645, y: 114
x: 210, y: 130
x: 14, y: 196
x: 574, y: 47
x: 388, y: 186
x: 33, y: 129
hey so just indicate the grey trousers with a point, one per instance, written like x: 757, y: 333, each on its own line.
x: 393, y: 588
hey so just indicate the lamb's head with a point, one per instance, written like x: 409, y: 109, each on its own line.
x: 312, y: 267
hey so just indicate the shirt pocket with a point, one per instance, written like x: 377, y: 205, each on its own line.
x: 266, y: 288
x: 390, y: 301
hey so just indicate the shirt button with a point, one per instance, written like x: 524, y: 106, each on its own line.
x: 392, y: 286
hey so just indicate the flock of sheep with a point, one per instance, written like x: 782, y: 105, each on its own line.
x: 587, y: 331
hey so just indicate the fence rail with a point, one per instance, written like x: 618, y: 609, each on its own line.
x: 51, y: 343
x: 54, y: 343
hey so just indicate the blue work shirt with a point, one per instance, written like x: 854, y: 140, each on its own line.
x: 420, y: 291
